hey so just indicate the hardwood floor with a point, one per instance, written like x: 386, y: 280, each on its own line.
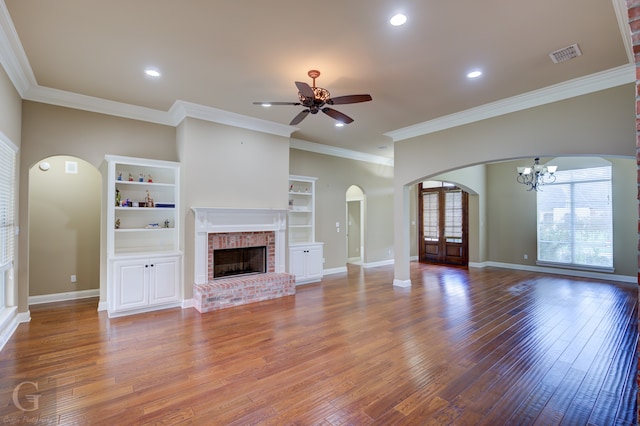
x: 459, y: 347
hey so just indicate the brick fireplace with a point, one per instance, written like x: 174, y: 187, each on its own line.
x: 218, y: 229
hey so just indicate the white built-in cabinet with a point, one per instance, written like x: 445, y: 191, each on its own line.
x: 305, y: 253
x: 142, y: 224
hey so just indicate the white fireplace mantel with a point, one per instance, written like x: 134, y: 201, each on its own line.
x: 211, y: 220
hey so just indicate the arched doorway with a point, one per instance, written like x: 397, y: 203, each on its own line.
x: 64, y: 229
x: 355, y: 224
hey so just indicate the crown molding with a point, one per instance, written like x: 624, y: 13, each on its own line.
x: 12, y: 56
x: 63, y: 98
x: 622, y: 16
x: 339, y: 152
x: 182, y: 109
x: 580, y: 86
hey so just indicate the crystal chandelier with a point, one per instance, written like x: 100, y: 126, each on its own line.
x: 537, y: 175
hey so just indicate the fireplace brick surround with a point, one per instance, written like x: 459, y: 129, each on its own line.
x: 221, y: 228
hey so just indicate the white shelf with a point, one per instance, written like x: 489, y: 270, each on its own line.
x: 133, y: 250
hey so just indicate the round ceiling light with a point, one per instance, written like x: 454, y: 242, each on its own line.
x: 398, y: 19
x: 152, y: 72
x: 474, y: 74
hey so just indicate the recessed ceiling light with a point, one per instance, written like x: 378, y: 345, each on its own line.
x: 398, y: 19
x: 474, y: 74
x: 152, y: 72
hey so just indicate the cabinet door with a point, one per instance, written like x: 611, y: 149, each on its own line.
x: 163, y: 280
x: 297, y: 261
x: 131, y: 284
x: 314, y: 262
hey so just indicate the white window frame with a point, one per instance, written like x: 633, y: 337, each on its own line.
x: 8, y: 191
x: 567, y: 179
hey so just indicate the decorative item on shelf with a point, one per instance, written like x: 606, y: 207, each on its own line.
x: 118, y: 198
x: 117, y: 223
x: 127, y: 203
x: 166, y: 223
x: 130, y: 177
x: 149, y: 179
x: 152, y: 226
x: 291, y: 188
x: 536, y: 176
x: 290, y: 203
x: 148, y: 200
x: 119, y: 175
x: 141, y: 177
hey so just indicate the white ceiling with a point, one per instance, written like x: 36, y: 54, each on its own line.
x: 227, y: 54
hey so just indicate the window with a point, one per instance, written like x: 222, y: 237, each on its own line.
x: 575, y: 221
x: 7, y: 197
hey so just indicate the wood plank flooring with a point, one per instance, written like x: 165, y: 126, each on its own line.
x: 460, y: 347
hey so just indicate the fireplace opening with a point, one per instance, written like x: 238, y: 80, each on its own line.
x: 239, y: 261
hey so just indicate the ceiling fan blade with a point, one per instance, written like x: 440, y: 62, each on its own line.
x: 276, y: 103
x: 298, y: 118
x: 305, y: 89
x: 349, y: 99
x: 343, y: 118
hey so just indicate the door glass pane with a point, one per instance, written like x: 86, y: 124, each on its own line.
x: 430, y: 216
x: 453, y: 216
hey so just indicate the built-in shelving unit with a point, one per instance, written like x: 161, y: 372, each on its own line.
x: 142, y: 231
x: 305, y: 253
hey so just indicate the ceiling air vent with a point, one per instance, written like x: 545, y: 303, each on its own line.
x: 565, y: 54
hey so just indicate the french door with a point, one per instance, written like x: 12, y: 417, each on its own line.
x: 443, y: 225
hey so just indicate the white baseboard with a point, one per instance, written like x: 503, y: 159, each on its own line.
x: 334, y: 270
x: 380, y: 263
x: 401, y: 283
x: 9, y: 321
x: 103, y: 306
x: 60, y: 297
x: 559, y: 271
x: 187, y: 303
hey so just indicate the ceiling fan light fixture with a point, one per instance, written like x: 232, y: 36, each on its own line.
x: 339, y: 124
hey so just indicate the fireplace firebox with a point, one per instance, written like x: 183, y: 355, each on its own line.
x: 239, y: 261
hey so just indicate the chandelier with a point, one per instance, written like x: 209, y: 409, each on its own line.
x: 536, y: 176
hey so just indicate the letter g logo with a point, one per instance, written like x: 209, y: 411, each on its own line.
x: 32, y: 398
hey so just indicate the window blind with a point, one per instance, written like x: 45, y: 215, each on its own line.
x: 575, y: 219
x: 7, y: 200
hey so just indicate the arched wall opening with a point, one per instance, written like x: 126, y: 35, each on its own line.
x: 64, y: 229
x: 355, y: 229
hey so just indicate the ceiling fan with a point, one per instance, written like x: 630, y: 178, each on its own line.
x: 315, y: 98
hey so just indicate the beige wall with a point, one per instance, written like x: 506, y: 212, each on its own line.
x: 223, y: 166
x: 49, y: 130
x: 64, y: 227
x: 11, y: 107
x: 11, y: 128
x: 600, y: 123
x: 335, y: 175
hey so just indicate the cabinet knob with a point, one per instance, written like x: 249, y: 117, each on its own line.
x: 146, y: 266
x: 152, y: 265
